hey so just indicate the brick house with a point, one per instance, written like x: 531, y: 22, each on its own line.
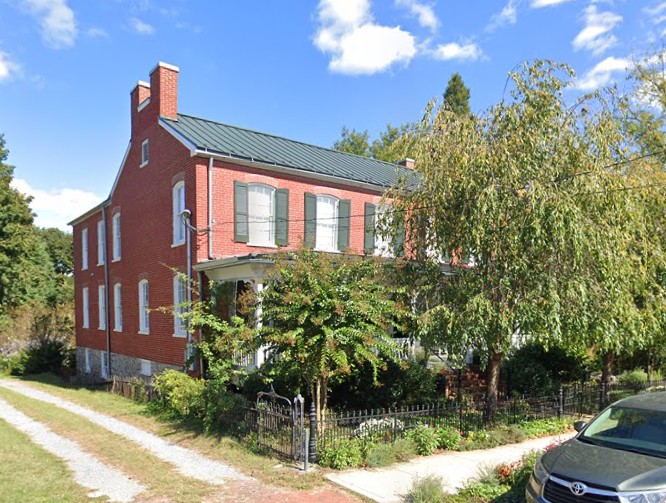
x: 212, y: 201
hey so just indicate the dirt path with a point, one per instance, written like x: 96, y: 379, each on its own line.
x: 89, y: 472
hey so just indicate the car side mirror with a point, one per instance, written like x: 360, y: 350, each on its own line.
x: 579, y: 425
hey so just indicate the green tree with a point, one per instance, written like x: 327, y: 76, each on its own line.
x: 60, y: 247
x: 327, y: 316
x: 353, y: 142
x: 534, y: 191
x: 25, y: 272
x: 456, y: 95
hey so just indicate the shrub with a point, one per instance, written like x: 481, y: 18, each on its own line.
x: 543, y: 427
x: 46, y: 354
x: 636, y: 377
x: 379, y: 428
x: 425, y: 439
x: 379, y: 455
x: 179, y: 394
x: 404, y: 449
x: 426, y: 490
x: 218, y: 402
x: 448, y: 438
x: 341, y: 455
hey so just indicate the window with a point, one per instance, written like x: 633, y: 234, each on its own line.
x: 117, y: 308
x: 327, y: 222
x: 383, y: 244
x: 101, y: 306
x: 381, y: 238
x: 261, y: 215
x: 84, y: 249
x: 101, y: 242
x: 115, y: 231
x: 86, y: 357
x: 178, y: 194
x: 179, y: 308
x: 85, y: 306
x: 145, y: 151
x: 146, y: 368
x: 144, y: 314
x: 104, y: 365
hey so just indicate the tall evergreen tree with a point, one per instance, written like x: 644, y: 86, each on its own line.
x: 456, y: 95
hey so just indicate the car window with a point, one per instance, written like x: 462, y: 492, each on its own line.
x: 631, y: 429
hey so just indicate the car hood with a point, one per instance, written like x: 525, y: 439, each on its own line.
x: 603, y: 466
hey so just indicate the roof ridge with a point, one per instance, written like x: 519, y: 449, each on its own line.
x: 396, y: 165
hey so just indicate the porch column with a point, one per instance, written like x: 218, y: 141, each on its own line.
x: 260, y: 355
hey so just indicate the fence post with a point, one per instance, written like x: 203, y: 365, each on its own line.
x: 560, y: 403
x: 312, y: 455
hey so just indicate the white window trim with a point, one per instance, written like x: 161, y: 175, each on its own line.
x: 179, y: 290
x: 86, y: 361
x: 117, y: 308
x: 85, y: 308
x: 336, y: 216
x: 101, y: 306
x: 269, y: 242
x: 116, y: 236
x: 103, y: 368
x: 383, y: 244
x: 84, y: 249
x: 146, y: 368
x: 143, y: 308
x: 145, y: 153
x: 177, y: 218
x: 101, y: 243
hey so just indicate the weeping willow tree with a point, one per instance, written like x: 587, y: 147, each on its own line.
x: 537, y: 193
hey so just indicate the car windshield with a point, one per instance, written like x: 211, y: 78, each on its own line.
x: 638, y: 430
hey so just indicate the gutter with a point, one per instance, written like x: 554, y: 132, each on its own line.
x: 210, y: 209
x: 107, y: 294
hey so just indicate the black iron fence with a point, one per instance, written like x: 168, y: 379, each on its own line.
x: 279, y: 424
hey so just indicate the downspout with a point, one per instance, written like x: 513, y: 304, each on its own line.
x: 107, y: 294
x: 210, y: 209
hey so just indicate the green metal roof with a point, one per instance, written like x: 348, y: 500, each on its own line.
x: 248, y: 145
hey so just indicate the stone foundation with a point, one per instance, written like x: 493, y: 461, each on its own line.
x: 122, y: 366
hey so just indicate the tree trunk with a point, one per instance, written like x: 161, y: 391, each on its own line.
x: 494, y: 362
x: 607, y: 368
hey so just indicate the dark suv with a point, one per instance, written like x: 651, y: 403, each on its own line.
x: 619, y: 456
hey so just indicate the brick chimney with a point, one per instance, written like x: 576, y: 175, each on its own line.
x: 164, y: 90
x: 139, y: 99
x: 406, y: 163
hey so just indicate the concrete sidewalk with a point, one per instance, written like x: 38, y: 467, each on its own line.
x: 391, y: 484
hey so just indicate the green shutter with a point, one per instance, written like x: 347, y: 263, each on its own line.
x: 282, y: 217
x: 344, y: 210
x: 369, y: 229
x: 310, y: 235
x: 241, y: 230
x: 399, y: 241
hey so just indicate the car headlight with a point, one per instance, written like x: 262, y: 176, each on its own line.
x: 644, y: 497
x: 540, y: 473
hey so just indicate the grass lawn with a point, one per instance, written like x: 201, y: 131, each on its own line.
x: 225, y: 449
x: 30, y: 473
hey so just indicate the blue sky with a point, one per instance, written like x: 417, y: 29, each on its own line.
x: 300, y: 69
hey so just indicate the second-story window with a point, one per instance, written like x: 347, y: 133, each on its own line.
x: 381, y: 238
x: 261, y: 214
x: 84, y: 249
x: 115, y: 230
x: 144, y: 314
x: 101, y: 243
x: 327, y: 222
x: 178, y: 196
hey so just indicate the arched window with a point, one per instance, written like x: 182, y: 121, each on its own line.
x: 144, y: 314
x: 178, y: 196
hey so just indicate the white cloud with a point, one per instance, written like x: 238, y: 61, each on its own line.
x: 56, y: 19
x: 656, y: 10
x: 8, y: 67
x: 508, y: 15
x: 141, y: 27
x: 56, y: 207
x: 423, y: 12
x: 96, y: 32
x: 538, y: 4
x: 357, y: 44
x: 466, y: 52
x: 602, y: 73
x: 595, y: 36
